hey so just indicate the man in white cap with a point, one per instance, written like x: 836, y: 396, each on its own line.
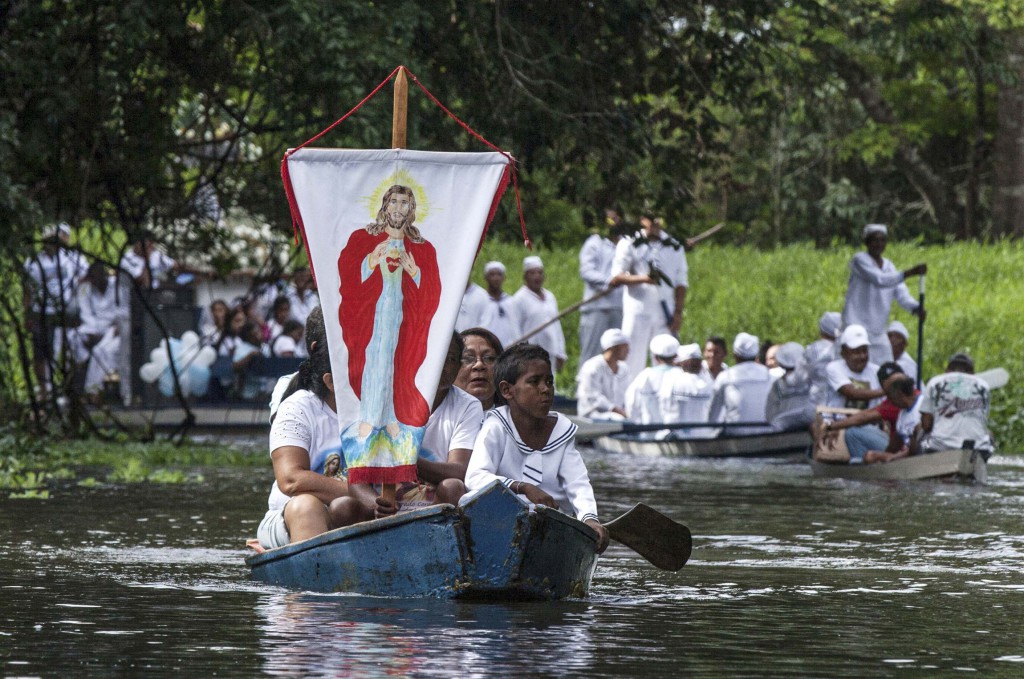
x: 502, y: 316
x: 536, y: 307
x: 741, y: 391
x: 685, y: 396
x: 852, y: 378
x: 820, y: 353
x: 596, y: 258
x: 874, y: 283
x: 652, y: 266
x: 473, y: 308
x: 603, y: 379
x: 643, y: 397
x: 898, y: 337
x: 788, y: 406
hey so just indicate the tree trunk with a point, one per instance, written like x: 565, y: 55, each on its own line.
x: 1008, y: 154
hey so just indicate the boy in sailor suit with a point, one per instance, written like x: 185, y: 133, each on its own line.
x: 530, y: 449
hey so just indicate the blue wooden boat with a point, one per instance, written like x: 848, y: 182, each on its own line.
x: 494, y: 547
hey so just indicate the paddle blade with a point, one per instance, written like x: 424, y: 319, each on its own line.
x: 654, y: 536
x: 996, y: 378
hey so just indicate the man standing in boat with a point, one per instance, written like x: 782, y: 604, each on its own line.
x: 605, y: 313
x: 874, y: 283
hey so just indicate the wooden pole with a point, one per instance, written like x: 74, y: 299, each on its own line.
x: 399, y: 123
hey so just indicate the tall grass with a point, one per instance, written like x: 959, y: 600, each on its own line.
x: 974, y: 296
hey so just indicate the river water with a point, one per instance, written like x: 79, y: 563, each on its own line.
x: 790, y: 576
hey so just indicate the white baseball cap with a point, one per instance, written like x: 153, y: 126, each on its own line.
x: 854, y: 337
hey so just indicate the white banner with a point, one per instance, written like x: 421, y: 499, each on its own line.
x: 391, y: 235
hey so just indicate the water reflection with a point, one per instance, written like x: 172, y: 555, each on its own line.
x: 304, y: 634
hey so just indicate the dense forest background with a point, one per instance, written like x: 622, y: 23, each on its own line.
x: 793, y: 122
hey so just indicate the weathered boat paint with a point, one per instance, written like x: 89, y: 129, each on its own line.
x: 496, y: 547
x: 524, y: 554
x: 963, y: 464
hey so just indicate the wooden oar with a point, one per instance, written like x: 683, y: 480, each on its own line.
x: 995, y: 378
x: 575, y: 307
x: 654, y: 536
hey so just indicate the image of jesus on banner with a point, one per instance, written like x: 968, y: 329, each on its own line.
x: 390, y: 289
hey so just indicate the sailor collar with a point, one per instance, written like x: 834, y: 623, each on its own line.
x: 564, y: 431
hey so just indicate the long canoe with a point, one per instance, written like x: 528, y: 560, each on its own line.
x: 495, y: 547
x: 771, y: 444
x: 962, y: 464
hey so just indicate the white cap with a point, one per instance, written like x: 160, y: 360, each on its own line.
x: 689, y: 351
x: 494, y: 266
x: 854, y: 337
x: 830, y: 322
x: 872, y: 229
x: 899, y: 329
x: 613, y: 337
x: 532, y: 262
x: 789, y: 355
x: 664, y: 346
x: 746, y: 345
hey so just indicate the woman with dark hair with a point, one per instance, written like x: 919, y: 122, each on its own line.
x: 305, y: 448
x: 476, y: 375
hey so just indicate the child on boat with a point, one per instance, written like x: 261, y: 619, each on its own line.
x: 528, y: 448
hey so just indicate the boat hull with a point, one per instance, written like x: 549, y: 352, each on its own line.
x: 964, y: 464
x: 496, y: 547
x: 773, y: 444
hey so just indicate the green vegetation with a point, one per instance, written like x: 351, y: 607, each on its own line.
x: 972, y: 296
x: 31, y: 465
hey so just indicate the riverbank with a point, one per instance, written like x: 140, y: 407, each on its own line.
x: 973, y: 298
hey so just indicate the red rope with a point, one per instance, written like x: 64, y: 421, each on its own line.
x: 297, y: 225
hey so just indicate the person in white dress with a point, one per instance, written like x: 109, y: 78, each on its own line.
x: 652, y: 267
x: 473, y: 308
x: 742, y: 390
x: 643, y: 397
x: 685, y: 395
x: 898, y: 338
x: 874, y: 283
x: 96, y: 342
x: 596, y: 257
x: 788, y: 406
x: 537, y: 306
x: 820, y: 353
x: 502, y: 316
x: 603, y: 379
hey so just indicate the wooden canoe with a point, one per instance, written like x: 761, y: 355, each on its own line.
x: 771, y: 444
x: 495, y: 547
x: 963, y: 464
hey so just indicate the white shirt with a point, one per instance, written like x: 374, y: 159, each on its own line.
x: 643, y: 396
x: 740, y: 395
x: 909, y: 365
x: 637, y: 258
x: 135, y: 265
x: 282, y: 344
x: 503, y: 319
x: 959, y: 405
x: 473, y: 309
x: 101, y: 310
x: 305, y: 421
x: 598, y: 389
x: 908, y: 420
x: 817, y: 356
x: 501, y: 455
x: 705, y: 373
x: 839, y: 375
x: 453, y: 426
x: 685, y: 397
x: 302, y: 303
x: 870, y: 292
x: 534, y: 311
x: 54, y: 279
x: 596, y: 257
x: 788, y: 406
